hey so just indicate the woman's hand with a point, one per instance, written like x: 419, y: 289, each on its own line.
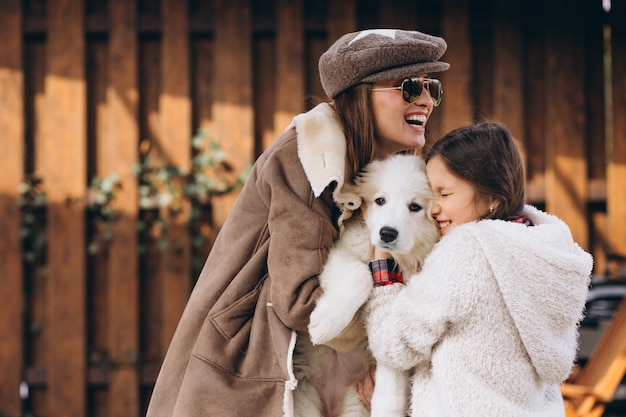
x: 365, y: 388
x: 380, y: 254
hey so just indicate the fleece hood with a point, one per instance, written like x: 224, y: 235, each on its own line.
x: 547, y: 265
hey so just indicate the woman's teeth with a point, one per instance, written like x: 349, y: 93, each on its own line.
x: 417, y: 119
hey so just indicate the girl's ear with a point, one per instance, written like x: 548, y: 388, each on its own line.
x: 493, y: 205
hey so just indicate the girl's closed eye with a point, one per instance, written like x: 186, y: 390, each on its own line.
x: 439, y: 192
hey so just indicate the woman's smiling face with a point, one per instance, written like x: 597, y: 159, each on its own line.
x: 399, y: 125
x: 456, y: 201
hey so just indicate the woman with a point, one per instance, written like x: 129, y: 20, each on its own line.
x: 231, y: 354
x: 489, y: 325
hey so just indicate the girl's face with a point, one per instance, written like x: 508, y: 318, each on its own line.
x: 455, y: 201
x: 399, y: 125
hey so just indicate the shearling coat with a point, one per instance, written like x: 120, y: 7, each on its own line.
x: 490, y: 322
x: 231, y: 354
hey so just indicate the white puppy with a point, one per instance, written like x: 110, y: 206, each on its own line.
x: 397, y: 200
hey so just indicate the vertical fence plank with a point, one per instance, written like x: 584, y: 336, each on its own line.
x: 232, y: 108
x: 117, y: 153
x: 566, y: 167
x: 481, y: 30
x: 534, y: 101
x: 174, y: 142
x: 596, y: 18
x: 11, y: 161
x: 507, y: 68
x: 150, y: 295
x: 388, y: 17
x: 202, y: 83
x: 64, y: 173
x: 265, y: 81
x: 341, y: 19
x: 289, y: 63
x: 616, y: 164
x: 35, y: 279
x: 456, y: 107
x: 97, y: 58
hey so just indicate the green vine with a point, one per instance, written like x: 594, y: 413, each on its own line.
x: 209, y: 175
x: 163, y: 191
x: 100, y: 213
x: 32, y: 203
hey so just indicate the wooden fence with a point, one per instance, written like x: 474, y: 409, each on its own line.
x: 91, y: 89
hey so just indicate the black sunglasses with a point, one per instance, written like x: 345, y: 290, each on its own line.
x: 411, y: 89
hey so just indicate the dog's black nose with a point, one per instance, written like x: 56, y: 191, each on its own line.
x: 388, y: 234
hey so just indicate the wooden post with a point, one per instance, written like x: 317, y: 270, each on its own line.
x: 566, y: 166
x: 289, y: 63
x: 535, y: 100
x: 64, y: 174
x: 616, y: 157
x: 397, y: 14
x: 117, y: 152
x: 232, y: 107
x: 456, y: 108
x: 35, y: 109
x: 149, y: 80
x: 507, y: 67
x: 11, y: 161
x: 341, y: 19
x: 174, y: 143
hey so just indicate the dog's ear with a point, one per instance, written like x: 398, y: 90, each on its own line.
x: 347, y: 198
x: 348, y: 201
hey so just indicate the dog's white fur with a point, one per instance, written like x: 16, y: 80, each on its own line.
x: 397, y: 200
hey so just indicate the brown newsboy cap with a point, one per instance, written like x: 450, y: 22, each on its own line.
x: 379, y: 55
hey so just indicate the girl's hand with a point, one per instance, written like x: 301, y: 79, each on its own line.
x: 380, y: 254
x: 384, y: 269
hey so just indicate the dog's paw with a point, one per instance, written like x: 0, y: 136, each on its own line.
x: 346, y: 284
x: 333, y: 314
x: 327, y: 321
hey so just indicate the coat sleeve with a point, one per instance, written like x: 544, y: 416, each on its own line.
x: 302, y: 229
x: 405, y: 322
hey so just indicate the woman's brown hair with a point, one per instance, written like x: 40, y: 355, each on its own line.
x: 357, y: 117
x: 485, y: 155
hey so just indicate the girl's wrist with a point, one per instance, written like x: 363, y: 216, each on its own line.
x: 385, y: 272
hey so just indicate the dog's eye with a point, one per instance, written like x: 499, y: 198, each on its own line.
x: 380, y: 201
x: 415, y: 207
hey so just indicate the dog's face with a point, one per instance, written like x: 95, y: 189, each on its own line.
x: 397, y: 201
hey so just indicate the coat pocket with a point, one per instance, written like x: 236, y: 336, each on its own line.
x: 238, y: 316
x: 244, y: 338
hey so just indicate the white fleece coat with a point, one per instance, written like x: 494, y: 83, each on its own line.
x: 490, y: 324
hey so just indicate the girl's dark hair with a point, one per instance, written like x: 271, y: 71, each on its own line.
x: 485, y: 155
x: 357, y: 117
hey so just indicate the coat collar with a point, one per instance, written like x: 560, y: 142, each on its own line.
x: 322, y: 152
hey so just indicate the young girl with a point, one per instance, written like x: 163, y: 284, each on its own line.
x: 489, y: 325
x: 231, y: 354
